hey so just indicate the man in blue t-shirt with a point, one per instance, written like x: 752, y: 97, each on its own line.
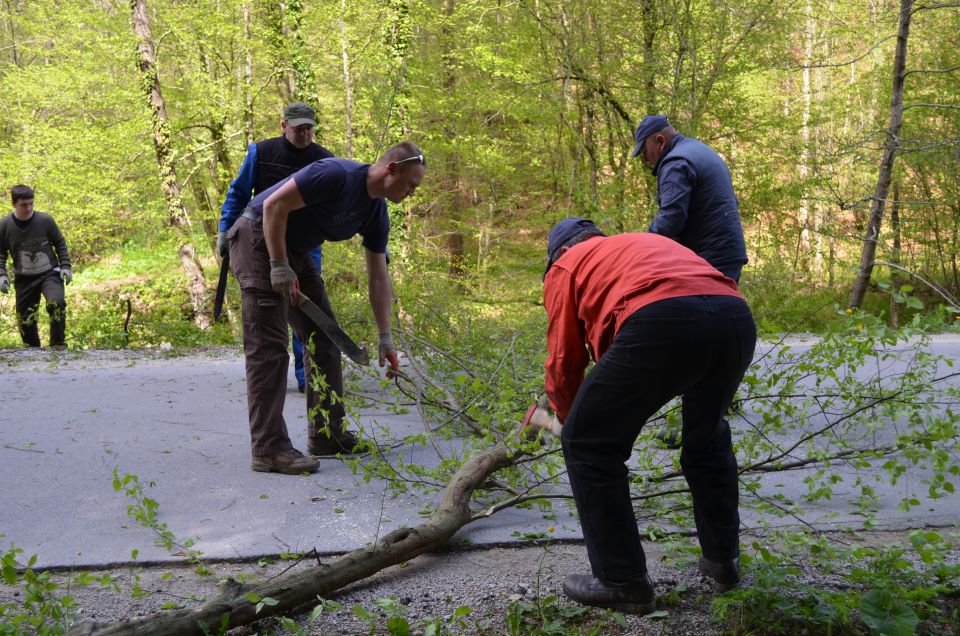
x: 329, y: 200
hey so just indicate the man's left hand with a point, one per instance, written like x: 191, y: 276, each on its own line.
x: 388, y: 353
x: 66, y: 274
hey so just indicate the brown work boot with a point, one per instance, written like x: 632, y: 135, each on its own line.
x: 725, y: 573
x: 342, y: 443
x: 288, y: 462
x: 637, y: 597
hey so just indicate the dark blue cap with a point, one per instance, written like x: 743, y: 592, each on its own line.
x: 563, y: 232
x: 651, y: 124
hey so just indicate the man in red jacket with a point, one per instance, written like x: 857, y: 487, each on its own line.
x: 660, y: 322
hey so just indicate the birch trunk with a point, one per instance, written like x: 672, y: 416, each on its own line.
x: 176, y: 214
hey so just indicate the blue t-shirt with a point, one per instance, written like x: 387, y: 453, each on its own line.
x: 337, y: 206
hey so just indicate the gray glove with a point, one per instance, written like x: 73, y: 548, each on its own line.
x: 4, y: 284
x: 66, y: 274
x: 223, y: 246
x: 388, y: 354
x: 282, y: 277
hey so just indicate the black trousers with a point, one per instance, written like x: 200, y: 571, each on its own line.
x: 697, y: 347
x: 29, y: 290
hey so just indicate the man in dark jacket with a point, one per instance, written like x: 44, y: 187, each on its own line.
x: 659, y: 322
x: 41, y: 265
x: 268, y: 162
x: 698, y: 207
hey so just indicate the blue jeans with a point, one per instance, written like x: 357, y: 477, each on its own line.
x: 317, y: 255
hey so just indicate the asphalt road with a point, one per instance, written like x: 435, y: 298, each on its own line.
x: 69, y: 420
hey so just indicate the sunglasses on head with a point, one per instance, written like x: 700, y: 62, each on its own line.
x: 418, y: 158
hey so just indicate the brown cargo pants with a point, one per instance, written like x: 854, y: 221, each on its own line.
x: 265, y: 342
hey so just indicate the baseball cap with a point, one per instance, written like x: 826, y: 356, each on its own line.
x: 298, y: 114
x: 563, y: 232
x: 651, y: 124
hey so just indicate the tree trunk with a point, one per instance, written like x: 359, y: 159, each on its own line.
x: 455, y: 240
x: 886, y: 163
x: 232, y: 608
x: 11, y: 9
x: 177, y: 215
x: 305, y: 80
x: 347, y: 88
x: 895, y: 279
x: 247, y: 74
x: 804, y: 168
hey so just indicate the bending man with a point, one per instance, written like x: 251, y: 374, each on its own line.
x: 329, y: 200
x: 660, y: 322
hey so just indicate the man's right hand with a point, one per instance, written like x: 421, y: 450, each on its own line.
x: 283, y: 279
x: 4, y: 284
x: 223, y: 246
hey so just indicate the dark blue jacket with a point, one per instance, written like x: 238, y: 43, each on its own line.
x: 698, y: 207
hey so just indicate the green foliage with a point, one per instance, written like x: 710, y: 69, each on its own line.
x: 143, y: 510
x: 43, y: 607
x: 548, y: 617
x: 881, y: 588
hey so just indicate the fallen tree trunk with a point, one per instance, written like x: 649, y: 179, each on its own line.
x: 232, y: 607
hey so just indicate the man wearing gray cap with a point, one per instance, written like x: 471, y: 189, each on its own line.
x: 268, y: 162
x: 698, y: 207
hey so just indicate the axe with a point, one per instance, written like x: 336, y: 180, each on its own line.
x: 332, y: 330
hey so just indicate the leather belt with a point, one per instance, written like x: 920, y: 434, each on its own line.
x: 252, y: 214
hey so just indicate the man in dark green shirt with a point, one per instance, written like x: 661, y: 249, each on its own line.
x: 41, y: 265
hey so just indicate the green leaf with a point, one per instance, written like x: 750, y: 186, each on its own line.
x: 398, y: 626
x: 887, y: 615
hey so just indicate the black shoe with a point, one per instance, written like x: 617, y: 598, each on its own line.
x: 344, y: 443
x: 302, y: 388
x: 725, y: 574
x: 669, y: 436
x: 635, y: 598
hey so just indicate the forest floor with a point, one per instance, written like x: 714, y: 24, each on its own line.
x: 495, y: 584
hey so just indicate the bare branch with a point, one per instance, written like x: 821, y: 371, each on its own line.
x: 938, y: 5
x: 932, y: 285
x: 925, y: 105
x: 932, y: 70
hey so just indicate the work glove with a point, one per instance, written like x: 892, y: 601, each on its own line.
x: 283, y: 279
x: 66, y: 274
x: 4, y: 284
x: 388, y: 353
x: 223, y: 246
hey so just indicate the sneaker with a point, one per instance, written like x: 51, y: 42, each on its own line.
x: 636, y: 598
x: 288, y: 462
x: 725, y: 574
x: 669, y: 436
x: 344, y: 443
x: 302, y: 388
